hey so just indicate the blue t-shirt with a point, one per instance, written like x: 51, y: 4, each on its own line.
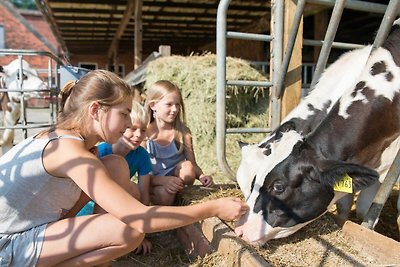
x: 138, y: 161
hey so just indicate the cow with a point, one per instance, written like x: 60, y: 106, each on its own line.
x: 10, y: 102
x: 355, y: 141
x: 337, y: 78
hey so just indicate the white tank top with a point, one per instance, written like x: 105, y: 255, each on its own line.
x: 29, y: 196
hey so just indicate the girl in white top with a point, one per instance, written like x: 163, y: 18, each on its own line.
x: 170, y: 144
x: 96, y: 108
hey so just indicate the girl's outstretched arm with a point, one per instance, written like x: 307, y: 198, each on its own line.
x: 94, y: 179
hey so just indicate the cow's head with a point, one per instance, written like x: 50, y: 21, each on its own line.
x: 30, y: 78
x: 293, y: 187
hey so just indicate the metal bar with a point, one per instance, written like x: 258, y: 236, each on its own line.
x: 20, y: 85
x: 221, y: 90
x: 275, y: 103
x: 248, y: 83
x: 25, y: 127
x: 328, y: 40
x: 249, y: 36
x: 383, y: 193
x: 28, y: 90
x: 392, y: 11
x: 334, y: 44
x: 17, y: 52
x: 248, y: 130
x: 355, y: 5
x: 289, y: 48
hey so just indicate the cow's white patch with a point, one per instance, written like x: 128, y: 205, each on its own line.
x: 339, y: 77
x: 256, y: 231
x: 252, y: 155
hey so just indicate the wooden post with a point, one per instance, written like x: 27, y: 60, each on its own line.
x: 292, y: 95
x: 321, y: 21
x: 164, y: 50
x: 115, y: 58
x: 138, y: 53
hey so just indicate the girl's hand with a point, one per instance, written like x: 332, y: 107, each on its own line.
x: 230, y: 208
x: 174, y: 184
x: 206, y: 180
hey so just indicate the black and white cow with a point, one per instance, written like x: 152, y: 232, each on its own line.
x: 340, y: 76
x: 10, y: 101
x: 358, y: 137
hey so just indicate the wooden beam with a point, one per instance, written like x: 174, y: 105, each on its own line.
x: 321, y: 21
x: 138, y: 53
x: 292, y: 95
x: 122, y: 26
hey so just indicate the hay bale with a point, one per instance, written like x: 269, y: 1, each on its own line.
x: 196, y: 77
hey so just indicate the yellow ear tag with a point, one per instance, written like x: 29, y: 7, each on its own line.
x: 344, y: 185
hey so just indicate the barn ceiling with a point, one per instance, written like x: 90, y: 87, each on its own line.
x: 90, y: 26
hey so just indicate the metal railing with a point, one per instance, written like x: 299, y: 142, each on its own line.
x: 52, y: 83
x: 281, y: 66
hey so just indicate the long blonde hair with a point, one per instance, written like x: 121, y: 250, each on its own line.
x: 155, y: 93
x: 102, y: 86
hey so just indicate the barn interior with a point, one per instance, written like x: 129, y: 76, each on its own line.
x: 105, y: 27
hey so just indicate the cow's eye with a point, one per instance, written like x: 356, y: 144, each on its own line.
x: 279, y: 187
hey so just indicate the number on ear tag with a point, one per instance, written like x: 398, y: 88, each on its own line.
x: 344, y: 185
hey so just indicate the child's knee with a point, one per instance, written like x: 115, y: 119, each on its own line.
x: 187, y: 172
x: 161, y: 197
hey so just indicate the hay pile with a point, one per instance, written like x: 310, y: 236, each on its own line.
x: 196, y: 77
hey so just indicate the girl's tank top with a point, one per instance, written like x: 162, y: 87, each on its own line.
x: 29, y: 196
x: 164, y: 159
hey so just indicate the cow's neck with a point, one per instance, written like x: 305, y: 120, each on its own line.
x: 369, y: 129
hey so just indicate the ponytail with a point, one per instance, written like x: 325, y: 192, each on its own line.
x: 65, y: 93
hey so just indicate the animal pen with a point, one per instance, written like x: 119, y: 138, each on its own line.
x: 278, y: 74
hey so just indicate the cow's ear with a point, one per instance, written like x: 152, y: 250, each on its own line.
x: 334, y: 171
x: 285, y: 127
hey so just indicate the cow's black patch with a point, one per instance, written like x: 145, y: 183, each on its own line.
x: 389, y: 76
x: 378, y: 68
x: 359, y: 87
x: 267, y: 150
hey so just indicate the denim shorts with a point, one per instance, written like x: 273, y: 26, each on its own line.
x: 23, y: 248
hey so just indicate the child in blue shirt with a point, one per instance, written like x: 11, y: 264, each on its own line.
x: 137, y: 158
